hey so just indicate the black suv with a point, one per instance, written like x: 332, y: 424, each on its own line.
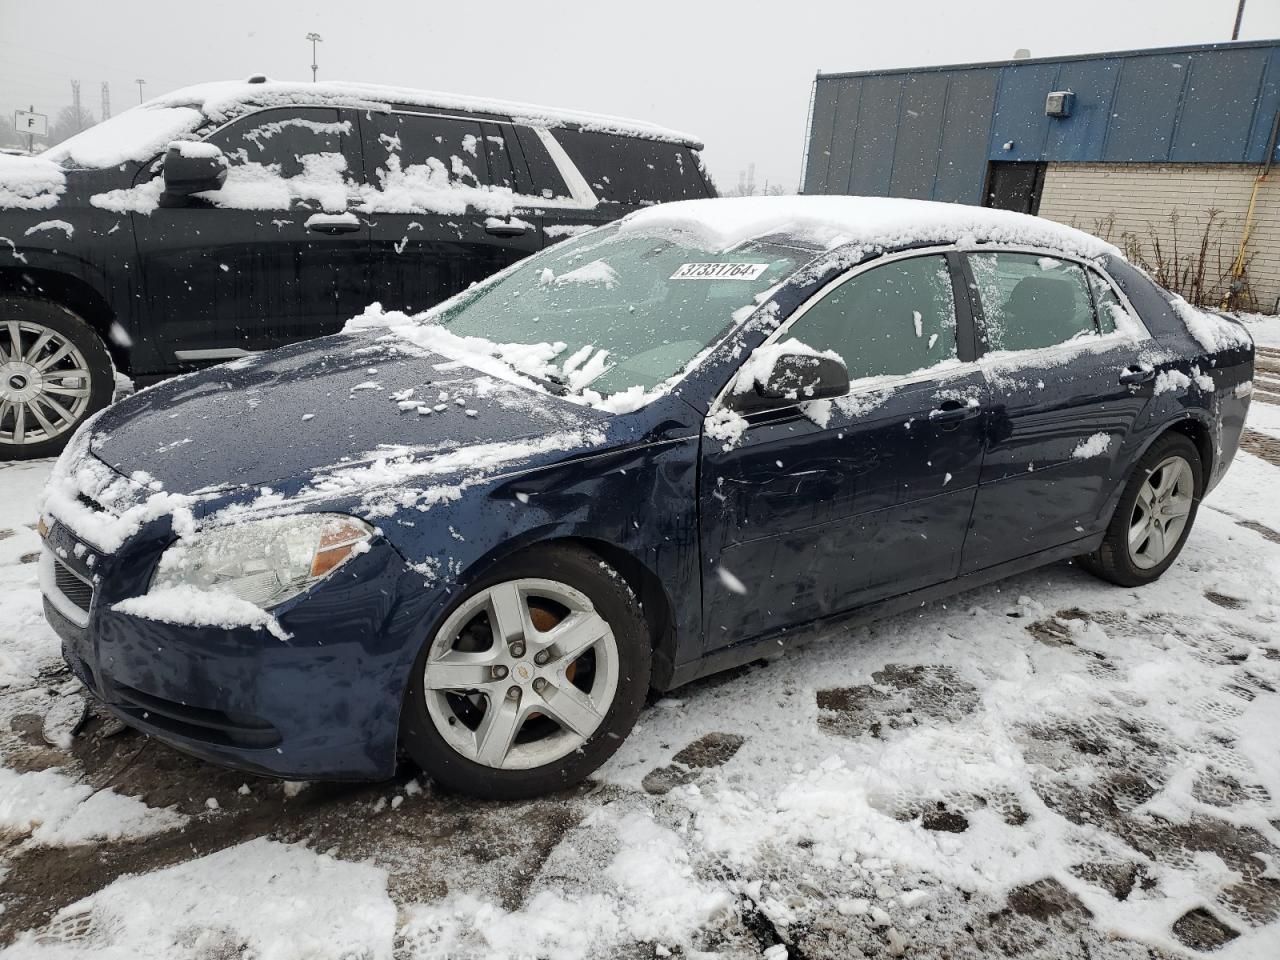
x: 229, y: 218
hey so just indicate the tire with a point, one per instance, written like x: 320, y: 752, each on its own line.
x: 558, y: 588
x: 40, y: 410
x: 1129, y: 564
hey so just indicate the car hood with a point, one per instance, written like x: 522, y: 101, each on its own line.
x: 338, y: 405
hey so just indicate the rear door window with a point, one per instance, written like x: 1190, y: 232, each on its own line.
x: 425, y: 149
x: 1031, y: 301
x: 634, y: 171
x: 897, y: 319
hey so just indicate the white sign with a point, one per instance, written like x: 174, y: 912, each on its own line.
x: 36, y: 124
x: 719, y: 271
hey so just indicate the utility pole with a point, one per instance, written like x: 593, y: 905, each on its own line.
x: 139, y: 82
x: 106, y: 99
x: 1235, y: 31
x: 314, y: 38
x: 75, y: 104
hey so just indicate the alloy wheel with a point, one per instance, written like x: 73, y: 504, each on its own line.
x: 521, y: 674
x: 45, y: 383
x: 1160, y: 513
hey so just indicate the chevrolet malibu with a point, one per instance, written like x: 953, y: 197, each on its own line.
x: 482, y: 535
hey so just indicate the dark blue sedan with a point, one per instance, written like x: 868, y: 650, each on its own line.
x: 666, y: 447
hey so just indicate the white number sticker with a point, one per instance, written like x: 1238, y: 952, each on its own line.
x: 719, y: 271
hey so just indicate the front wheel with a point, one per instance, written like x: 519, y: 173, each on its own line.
x: 1154, y: 516
x: 54, y: 374
x: 532, y: 681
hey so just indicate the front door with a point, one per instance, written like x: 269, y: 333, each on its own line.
x: 444, y: 211
x: 1059, y: 412
x: 828, y: 505
x: 1014, y: 186
x: 270, y: 258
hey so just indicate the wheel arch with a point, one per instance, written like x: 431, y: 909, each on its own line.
x: 656, y: 605
x: 72, y: 293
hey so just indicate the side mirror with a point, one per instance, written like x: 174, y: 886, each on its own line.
x: 191, y: 167
x: 791, y: 378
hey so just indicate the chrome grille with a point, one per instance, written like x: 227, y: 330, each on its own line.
x: 71, y: 586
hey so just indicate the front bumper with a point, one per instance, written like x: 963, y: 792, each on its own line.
x: 323, y: 704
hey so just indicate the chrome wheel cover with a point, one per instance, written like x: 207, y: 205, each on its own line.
x: 1159, y: 517
x: 508, y: 695
x: 44, y: 383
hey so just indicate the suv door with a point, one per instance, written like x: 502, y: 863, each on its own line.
x: 1060, y: 414
x: 264, y: 261
x: 829, y: 505
x: 439, y: 210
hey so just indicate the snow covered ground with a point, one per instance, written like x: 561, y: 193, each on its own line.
x: 1051, y: 767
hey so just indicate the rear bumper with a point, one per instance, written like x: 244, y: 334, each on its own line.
x: 323, y: 704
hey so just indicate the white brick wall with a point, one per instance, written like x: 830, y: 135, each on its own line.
x: 1132, y: 203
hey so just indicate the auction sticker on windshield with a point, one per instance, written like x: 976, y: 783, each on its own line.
x: 719, y: 271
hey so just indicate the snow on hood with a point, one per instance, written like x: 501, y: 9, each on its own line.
x: 136, y: 135
x: 866, y: 222
x: 224, y: 99
x: 30, y: 183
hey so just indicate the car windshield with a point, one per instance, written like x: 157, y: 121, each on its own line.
x: 630, y: 309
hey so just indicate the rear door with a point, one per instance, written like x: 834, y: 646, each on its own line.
x: 443, y: 211
x: 1060, y: 414
x: 240, y: 269
x: 825, y: 506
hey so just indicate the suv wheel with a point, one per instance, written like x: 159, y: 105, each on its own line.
x: 533, y: 679
x: 1154, y: 515
x: 54, y: 373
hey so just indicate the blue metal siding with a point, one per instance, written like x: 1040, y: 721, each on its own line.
x: 966, y: 130
x: 1081, y: 135
x: 1218, y: 104
x: 930, y: 132
x: 1019, y: 117
x: 915, y: 156
x: 876, y: 136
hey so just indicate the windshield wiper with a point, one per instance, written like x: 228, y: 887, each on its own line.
x: 551, y: 381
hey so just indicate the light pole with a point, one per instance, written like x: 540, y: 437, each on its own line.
x: 139, y: 82
x: 314, y: 38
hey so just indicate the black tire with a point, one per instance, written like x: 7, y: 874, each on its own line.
x: 65, y: 324
x: 1113, y: 561
x: 616, y: 604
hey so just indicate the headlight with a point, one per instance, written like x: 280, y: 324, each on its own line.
x: 263, y: 561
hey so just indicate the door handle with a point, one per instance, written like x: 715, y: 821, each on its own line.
x: 1134, y: 375
x: 337, y: 223
x: 953, y: 411
x: 505, y: 229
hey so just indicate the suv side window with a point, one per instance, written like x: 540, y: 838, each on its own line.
x: 547, y: 181
x: 439, y: 150
x: 631, y: 170
x: 894, y: 320
x: 295, y: 141
x: 1107, y: 303
x: 1030, y: 301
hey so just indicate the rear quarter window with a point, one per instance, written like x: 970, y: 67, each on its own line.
x: 634, y: 171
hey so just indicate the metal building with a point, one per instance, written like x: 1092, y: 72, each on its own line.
x: 1155, y: 148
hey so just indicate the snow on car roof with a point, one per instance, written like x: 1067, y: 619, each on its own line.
x: 223, y: 99
x: 868, y: 222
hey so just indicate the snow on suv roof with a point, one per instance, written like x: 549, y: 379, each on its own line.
x: 880, y: 222
x: 221, y: 100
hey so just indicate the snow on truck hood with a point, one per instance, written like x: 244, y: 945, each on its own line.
x: 337, y: 418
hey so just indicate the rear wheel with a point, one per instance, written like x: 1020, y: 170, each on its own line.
x: 1154, y: 515
x: 54, y: 374
x: 533, y: 679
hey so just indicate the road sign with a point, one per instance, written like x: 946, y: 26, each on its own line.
x: 32, y: 124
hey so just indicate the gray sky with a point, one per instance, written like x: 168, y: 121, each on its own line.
x: 737, y: 74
